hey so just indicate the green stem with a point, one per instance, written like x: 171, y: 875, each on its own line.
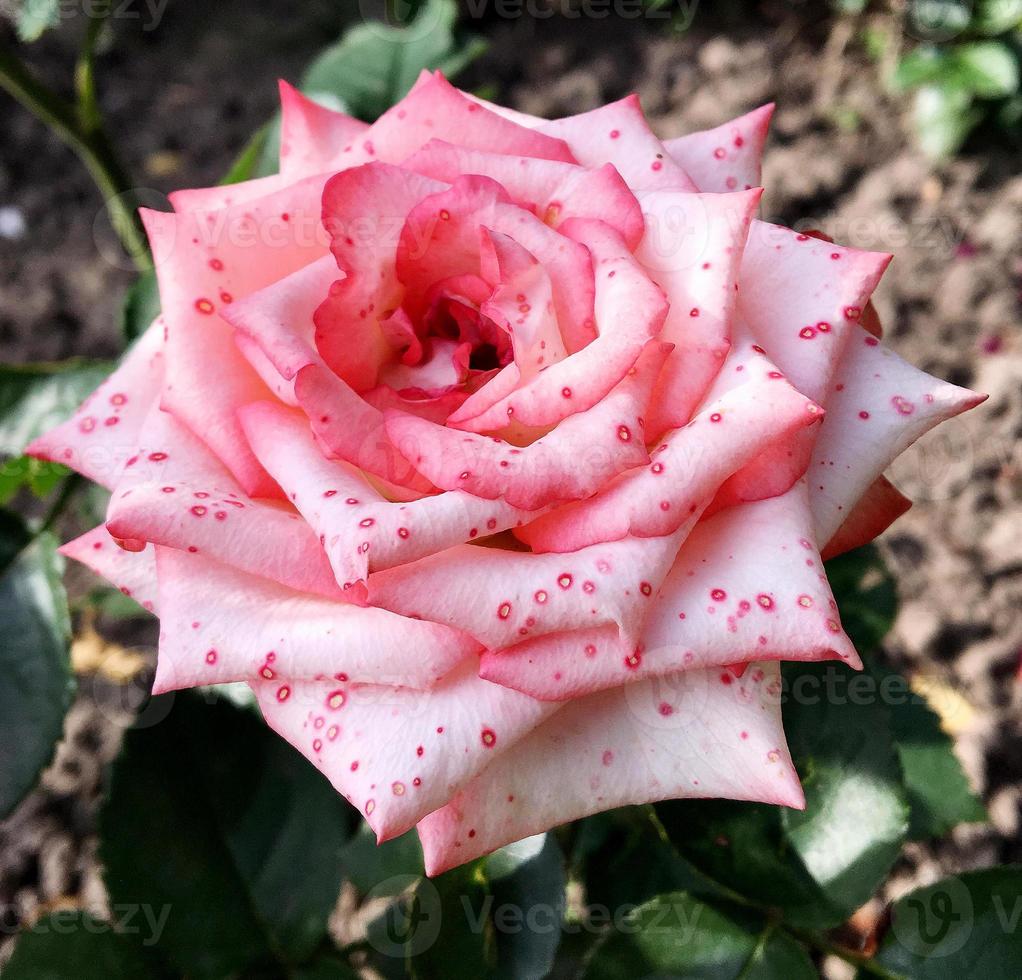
x: 81, y: 128
x: 861, y: 960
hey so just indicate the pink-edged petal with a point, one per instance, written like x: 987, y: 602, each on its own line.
x: 687, y: 735
x: 748, y: 584
x: 205, y: 260
x: 311, y: 135
x: 101, y: 435
x: 219, y: 624
x: 554, y: 191
x: 176, y: 493
x: 348, y: 428
x: 133, y: 572
x: 878, y: 508
x: 728, y: 157
x: 880, y: 406
x: 434, y: 108
x: 629, y: 312
x: 574, y: 460
x: 687, y: 468
x: 501, y: 597
x: 360, y: 530
x: 275, y: 325
x: 693, y: 249
x: 394, y: 753
x: 364, y: 211
x: 618, y: 133
x: 222, y: 196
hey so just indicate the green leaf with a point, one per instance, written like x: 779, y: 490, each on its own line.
x: 14, y: 535
x: 969, y: 926
x: 34, y: 662
x: 865, y: 594
x: 368, y: 865
x: 526, y: 881
x: 258, y: 157
x: 240, y: 840
x: 374, y: 65
x: 993, y: 17
x: 820, y: 864
x: 988, y: 69
x: 327, y: 966
x: 938, y: 792
x: 74, y: 944
x: 140, y: 306
x: 36, y: 397
x: 944, y: 117
x: 927, y: 63
x: 34, y: 18
x: 676, y: 935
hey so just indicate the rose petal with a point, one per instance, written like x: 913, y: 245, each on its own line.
x: 689, y: 735
x: 310, y: 134
x: 133, y: 572
x: 394, y: 753
x: 877, y: 509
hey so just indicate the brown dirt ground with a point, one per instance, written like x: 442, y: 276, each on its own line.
x: 183, y: 99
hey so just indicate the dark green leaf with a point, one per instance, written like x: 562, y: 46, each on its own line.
x: 944, y: 116
x: 676, y: 935
x: 36, y: 397
x: 13, y: 537
x: 993, y: 17
x: 258, y: 157
x: 74, y: 944
x: 526, y: 881
x: 140, y: 306
x: 325, y: 967
x: 374, y: 65
x: 969, y: 926
x: 368, y: 865
x: 938, y: 792
x: 34, y: 18
x: 865, y: 594
x: 240, y: 839
x: 34, y: 661
x: 821, y: 864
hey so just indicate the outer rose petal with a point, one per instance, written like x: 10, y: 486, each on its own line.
x: 748, y: 584
x: 618, y: 133
x: 689, y: 735
x: 176, y: 493
x: 693, y: 248
x: 133, y: 572
x: 204, y: 261
x: 102, y: 434
x: 434, y: 106
x: 360, y: 530
x: 394, y: 753
x: 499, y: 597
x: 687, y: 468
x: 880, y: 406
x: 574, y: 460
x: 728, y: 157
x: 219, y: 624
x: 311, y: 134
x: 554, y: 191
x: 629, y: 313
x: 878, y: 508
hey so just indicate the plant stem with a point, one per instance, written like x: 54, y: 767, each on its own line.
x: 81, y: 128
x: 824, y: 945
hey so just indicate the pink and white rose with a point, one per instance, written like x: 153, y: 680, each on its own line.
x: 497, y: 455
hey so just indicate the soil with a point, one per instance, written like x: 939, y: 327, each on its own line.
x: 181, y: 102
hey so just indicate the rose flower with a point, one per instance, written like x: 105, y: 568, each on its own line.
x: 497, y: 456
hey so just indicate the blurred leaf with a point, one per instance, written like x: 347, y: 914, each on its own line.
x: 677, y: 936
x: 969, y: 926
x: 374, y: 65
x: 13, y: 537
x: 368, y: 865
x: 241, y: 838
x: 938, y: 793
x: 865, y: 594
x: 939, y: 20
x: 927, y: 63
x: 988, y: 68
x: 38, y: 685
x: 140, y: 306
x: 993, y: 17
x: 327, y: 966
x: 820, y: 864
x: 944, y: 116
x: 527, y: 883
x: 258, y: 157
x: 36, y: 397
x: 33, y: 18
x: 74, y: 944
